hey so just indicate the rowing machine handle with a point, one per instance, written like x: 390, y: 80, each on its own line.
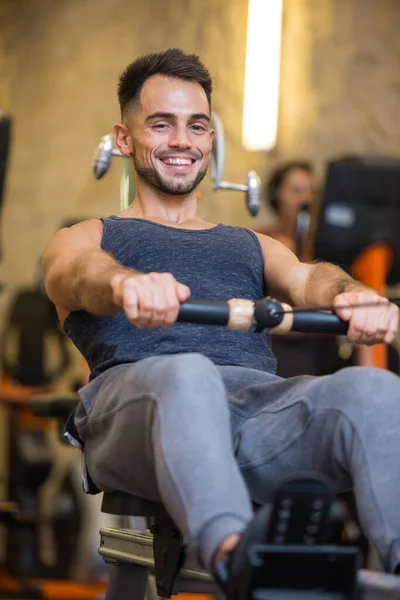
x: 268, y: 313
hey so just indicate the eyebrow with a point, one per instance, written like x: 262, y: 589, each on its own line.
x: 168, y: 115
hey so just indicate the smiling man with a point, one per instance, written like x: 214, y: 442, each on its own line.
x: 153, y: 135
x: 145, y: 134
x: 194, y: 416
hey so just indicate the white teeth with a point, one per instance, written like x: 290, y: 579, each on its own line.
x: 177, y: 161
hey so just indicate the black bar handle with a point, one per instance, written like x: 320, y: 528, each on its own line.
x: 204, y: 312
x: 319, y: 322
x: 267, y: 313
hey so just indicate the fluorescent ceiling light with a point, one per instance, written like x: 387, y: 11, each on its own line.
x: 261, y: 86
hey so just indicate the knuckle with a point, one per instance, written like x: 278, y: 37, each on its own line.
x: 136, y: 283
x: 162, y: 278
x: 128, y: 286
x: 168, y: 277
x: 145, y: 306
x: 174, y: 304
x: 169, y: 318
x: 129, y: 296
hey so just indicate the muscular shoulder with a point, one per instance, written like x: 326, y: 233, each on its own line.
x: 83, y: 234
x: 277, y: 255
x: 269, y: 239
x: 268, y: 243
x: 91, y: 229
x: 70, y: 242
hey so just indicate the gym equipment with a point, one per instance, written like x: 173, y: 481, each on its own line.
x: 274, y: 571
x: 31, y: 327
x: 45, y: 528
x: 253, y: 186
x: 45, y: 533
x: 32, y: 322
x: 105, y: 151
x: 358, y: 227
x: 267, y: 313
x: 101, y: 164
x: 360, y: 207
x: 302, y: 229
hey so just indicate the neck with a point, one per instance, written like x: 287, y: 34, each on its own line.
x: 151, y: 203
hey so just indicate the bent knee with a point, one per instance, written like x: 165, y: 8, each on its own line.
x: 190, y: 384
x: 367, y: 385
x: 177, y: 375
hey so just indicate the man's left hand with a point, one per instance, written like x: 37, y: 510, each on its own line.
x: 368, y: 325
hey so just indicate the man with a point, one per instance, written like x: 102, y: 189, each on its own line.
x: 192, y: 415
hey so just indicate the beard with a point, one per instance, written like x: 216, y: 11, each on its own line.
x: 171, y: 185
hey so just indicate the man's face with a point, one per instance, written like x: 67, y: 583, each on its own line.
x: 171, y: 134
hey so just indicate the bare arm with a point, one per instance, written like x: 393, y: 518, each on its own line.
x: 78, y: 273
x: 302, y: 284
x: 319, y: 284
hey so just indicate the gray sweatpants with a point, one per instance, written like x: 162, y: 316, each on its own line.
x: 208, y: 440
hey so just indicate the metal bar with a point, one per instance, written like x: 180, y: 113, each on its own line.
x: 126, y: 546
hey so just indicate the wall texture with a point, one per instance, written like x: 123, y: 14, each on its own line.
x: 340, y: 82
x: 59, y: 62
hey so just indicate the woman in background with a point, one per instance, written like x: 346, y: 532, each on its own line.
x: 290, y: 192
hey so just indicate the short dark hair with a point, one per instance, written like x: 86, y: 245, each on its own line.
x: 171, y: 63
x: 279, y: 175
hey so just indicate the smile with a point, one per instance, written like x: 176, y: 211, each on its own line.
x: 178, y: 162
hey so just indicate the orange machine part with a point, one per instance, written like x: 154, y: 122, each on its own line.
x: 70, y: 590
x: 371, y: 267
x: 56, y: 589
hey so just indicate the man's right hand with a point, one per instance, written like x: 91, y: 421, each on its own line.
x: 149, y: 299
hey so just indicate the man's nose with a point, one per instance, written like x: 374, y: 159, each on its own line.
x: 180, y: 138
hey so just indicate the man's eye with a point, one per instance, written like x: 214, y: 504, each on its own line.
x: 199, y: 128
x: 160, y: 126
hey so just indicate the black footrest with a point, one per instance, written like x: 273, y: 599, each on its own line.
x: 321, y: 571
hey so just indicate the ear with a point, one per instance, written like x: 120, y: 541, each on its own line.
x: 211, y: 134
x: 123, y: 139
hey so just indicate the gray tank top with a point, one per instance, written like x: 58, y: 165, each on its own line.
x: 219, y: 263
